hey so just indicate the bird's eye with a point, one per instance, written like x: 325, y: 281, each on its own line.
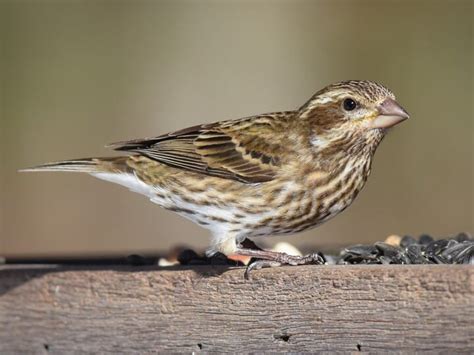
x: 349, y: 104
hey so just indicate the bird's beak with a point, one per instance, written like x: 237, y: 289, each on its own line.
x: 390, y: 113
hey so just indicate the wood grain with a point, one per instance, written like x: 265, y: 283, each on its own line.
x: 62, y: 309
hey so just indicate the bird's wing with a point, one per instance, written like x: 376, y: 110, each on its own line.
x: 247, y: 150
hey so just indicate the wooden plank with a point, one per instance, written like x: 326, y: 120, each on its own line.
x: 213, y: 309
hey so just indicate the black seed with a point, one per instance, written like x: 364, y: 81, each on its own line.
x: 362, y: 250
x: 357, y: 254
x: 186, y: 256
x: 425, y: 239
x: 407, y: 240
x: 436, y: 247
x: 387, y: 249
x: 426, y: 251
x: 392, y: 254
x: 198, y: 261
x: 461, y: 253
x: 218, y: 259
x: 451, y: 243
x: 462, y: 237
x: 414, y: 253
x: 438, y: 259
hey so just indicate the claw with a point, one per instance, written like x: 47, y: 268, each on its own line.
x: 259, y: 264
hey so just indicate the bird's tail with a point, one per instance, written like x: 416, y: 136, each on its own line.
x: 87, y: 165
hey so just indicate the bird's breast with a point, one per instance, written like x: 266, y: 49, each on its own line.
x: 310, y: 201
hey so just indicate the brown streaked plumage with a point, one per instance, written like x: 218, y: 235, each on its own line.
x: 270, y: 174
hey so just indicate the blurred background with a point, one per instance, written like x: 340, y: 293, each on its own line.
x: 76, y: 75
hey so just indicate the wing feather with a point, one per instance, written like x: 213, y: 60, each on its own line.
x: 245, y: 150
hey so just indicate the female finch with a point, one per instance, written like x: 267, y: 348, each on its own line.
x: 270, y: 174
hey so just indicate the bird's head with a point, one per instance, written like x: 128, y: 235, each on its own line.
x: 355, y: 114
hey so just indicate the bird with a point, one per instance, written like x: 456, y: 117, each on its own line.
x: 276, y: 173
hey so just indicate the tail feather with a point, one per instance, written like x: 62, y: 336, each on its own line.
x: 87, y: 165
x: 117, y: 170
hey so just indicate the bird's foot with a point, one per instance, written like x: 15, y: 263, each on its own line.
x: 259, y: 264
x: 266, y: 258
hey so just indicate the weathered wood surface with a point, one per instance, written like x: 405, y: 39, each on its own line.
x: 213, y: 309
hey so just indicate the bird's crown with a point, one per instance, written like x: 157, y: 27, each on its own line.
x: 363, y: 90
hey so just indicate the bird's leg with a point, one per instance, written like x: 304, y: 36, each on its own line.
x: 272, y: 258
